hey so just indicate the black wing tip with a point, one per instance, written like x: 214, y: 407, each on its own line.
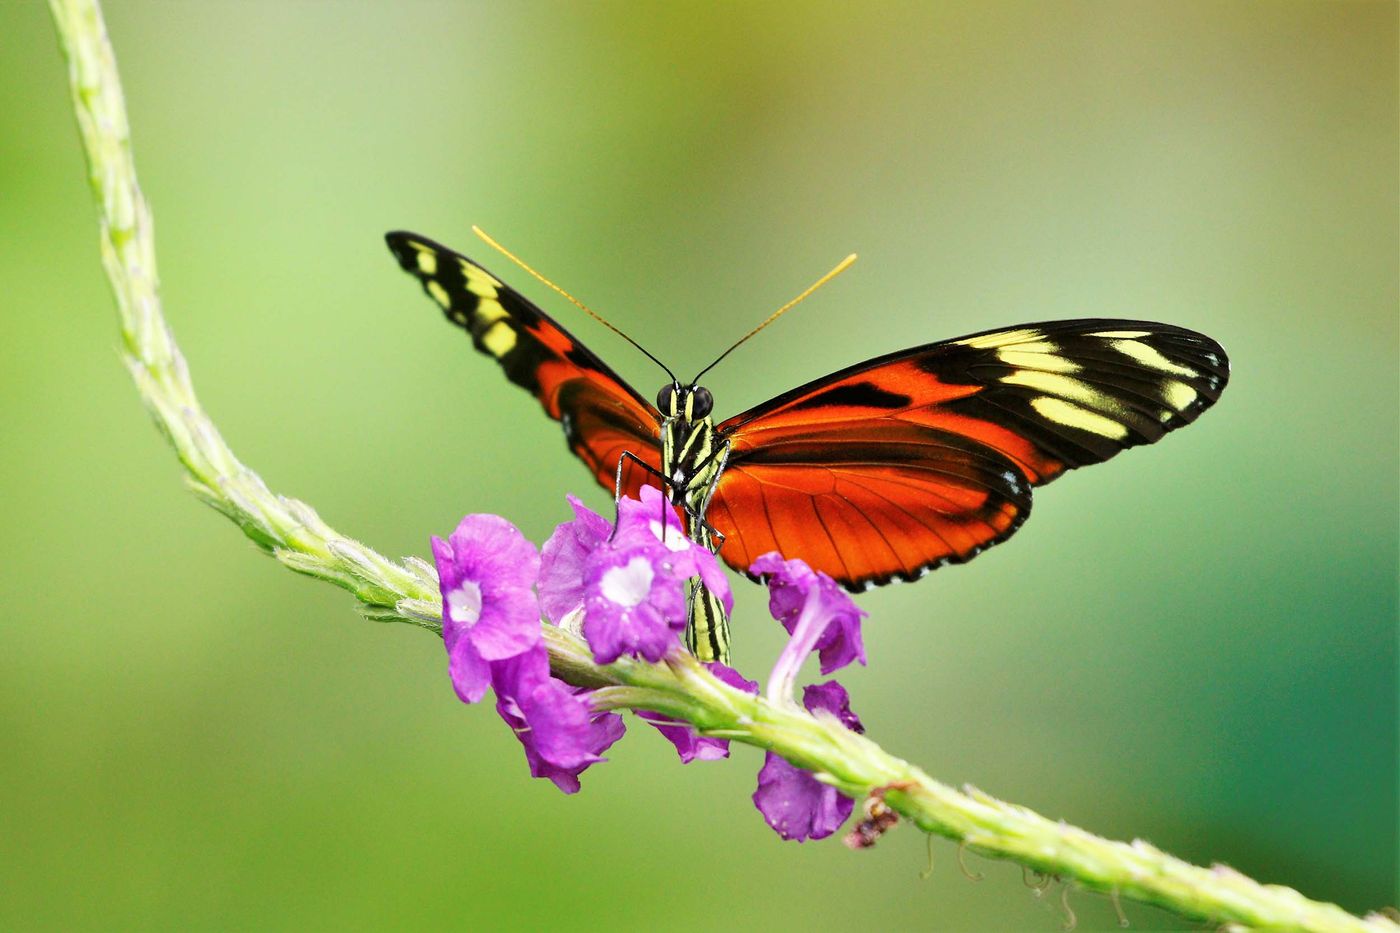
x: 1207, y: 347
x: 1207, y: 359
x: 398, y: 242
x: 397, y: 238
x: 401, y: 243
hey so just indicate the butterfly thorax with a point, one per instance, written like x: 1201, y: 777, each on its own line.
x: 692, y: 452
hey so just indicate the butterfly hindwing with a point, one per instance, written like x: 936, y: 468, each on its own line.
x: 925, y: 456
x: 866, y: 502
x: 602, y: 415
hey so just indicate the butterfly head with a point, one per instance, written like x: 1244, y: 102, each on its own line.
x: 689, y: 403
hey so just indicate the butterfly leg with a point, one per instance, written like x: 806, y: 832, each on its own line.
x: 713, y: 538
x: 621, y: 461
x: 665, y: 483
x: 706, y: 478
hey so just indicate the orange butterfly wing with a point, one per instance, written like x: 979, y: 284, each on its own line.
x: 602, y: 416
x: 894, y: 466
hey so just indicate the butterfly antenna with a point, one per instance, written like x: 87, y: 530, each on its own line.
x: 841, y: 266
x: 580, y: 305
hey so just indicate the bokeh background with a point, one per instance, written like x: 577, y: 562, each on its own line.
x: 1194, y: 644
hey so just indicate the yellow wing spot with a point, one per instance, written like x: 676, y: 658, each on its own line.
x: 1001, y: 338
x: 1063, y: 387
x: 1151, y: 358
x: 1038, y: 346
x: 1042, y: 356
x: 479, y: 281
x: 489, y: 311
x: 499, y: 339
x: 439, y: 293
x: 1179, y: 395
x: 1071, y: 415
x: 427, y: 259
x: 482, y: 285
x: 1121, y: 334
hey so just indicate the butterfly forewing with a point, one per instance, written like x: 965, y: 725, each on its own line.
x: 1072, y: 393
x: 601, y: 415
x: 926, y: 456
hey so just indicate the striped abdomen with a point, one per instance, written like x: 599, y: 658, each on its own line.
x: 692, y: 457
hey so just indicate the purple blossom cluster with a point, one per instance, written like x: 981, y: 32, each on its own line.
x: 487, y: 571
x: 623, y: 588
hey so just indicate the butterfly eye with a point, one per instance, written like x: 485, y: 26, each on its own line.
x: 666, y: 400
x: 701, y: 401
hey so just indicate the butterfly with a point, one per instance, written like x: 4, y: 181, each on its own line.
x: 876, y: 473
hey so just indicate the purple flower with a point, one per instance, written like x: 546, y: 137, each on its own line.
x: 818, y: 615
x: 652, y: 518
x: 793, y: 802
x: 556, y: 724
x: 691, y: 745
x: 629, y: 580
x: 491, y: 628
x: 634, y: 603
x: 486, y: 569
x: 564, y: 557
x: 832, y: 698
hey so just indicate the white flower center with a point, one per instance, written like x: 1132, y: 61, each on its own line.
x: 628, y: 585
x: 674, y: 538
x: 464, y: 603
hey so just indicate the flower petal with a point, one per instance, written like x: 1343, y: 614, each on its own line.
x: 690, y: 745
x: 556, y: 724
x: 818, y: 615
x: 790, y: 583
x: 792, y: 801
x: 712, y: 575
x: 650, y: 518
x: 486, y: 571
x: 633, y: 603
x: 563, y: 559
x: 489, y: 548
x: 831, y: 697
x: 842, y: 642
x: 510, y: 624
x: 795, y: 804
x: 470, y: 673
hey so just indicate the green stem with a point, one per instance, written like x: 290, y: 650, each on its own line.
x: 407, y: 591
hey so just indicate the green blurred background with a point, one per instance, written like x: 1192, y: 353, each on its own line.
x: 1195, y: 644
